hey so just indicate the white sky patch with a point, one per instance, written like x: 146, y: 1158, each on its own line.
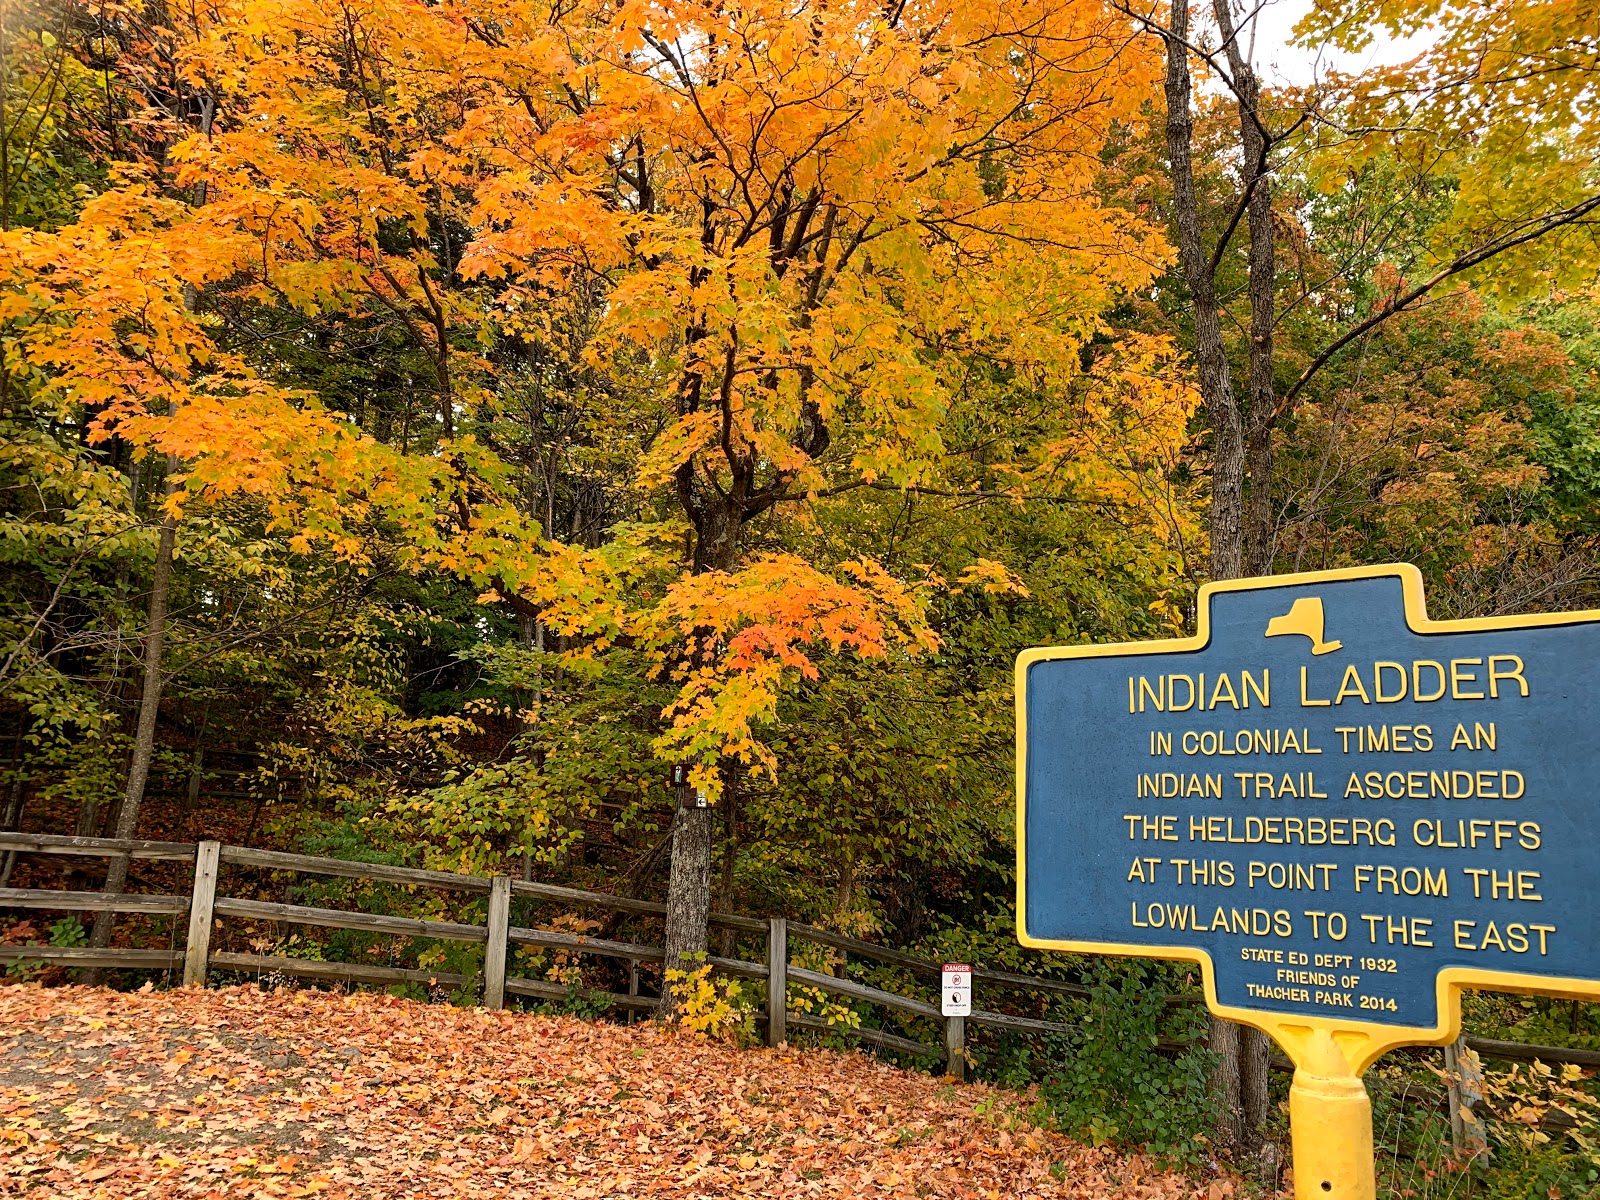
x: 1281, y: 63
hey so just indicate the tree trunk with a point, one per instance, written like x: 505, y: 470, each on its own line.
x: 191, y: 795
x: 716, y: 520
x: 1260, y: 520
x: 1226, y: 1085
x: 688, y: 891
x: 89, y: 815
x: 1239, y: 1084
x: 144, y: 741
x: 1258, y: 524
x: 88, y: 818
x: 1257, y: 534
x: 1255, y: 1049
x: 1211, y: 361
x: 13, y: 815
x: 1241, y: 526
x: 533, y: 638
x: 1227, y: 470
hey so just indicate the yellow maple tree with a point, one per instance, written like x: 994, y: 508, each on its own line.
x: 803, y: 229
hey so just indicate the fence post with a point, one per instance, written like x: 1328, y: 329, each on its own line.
x: 494, y: 956
x: 777, y: 981
x: 1465, y: 1077
x: 955, y: 1047
x: 197, y: 949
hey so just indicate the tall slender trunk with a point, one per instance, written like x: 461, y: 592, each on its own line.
x: 1258, y: 525
x: 89, y: 815
x: 191, y: 795
x: 1227, y: 464
x: 532, y: 632
x: 1211, y: 361
x: 717, y: 527
x: 1257, y: 532
x: 144, y: 741
x: 1240, y: 539
x: 12, y: 821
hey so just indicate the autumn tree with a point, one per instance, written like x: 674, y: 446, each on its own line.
x: 105, y: 318
x: 1521, y: 197
x: 857, y: 209
x: 805, y: 227
x: 1447, y: 444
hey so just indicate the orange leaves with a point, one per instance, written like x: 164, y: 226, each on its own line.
x: 96, y: 309
x: 777, y: 606
x: 372, y: 1097
x: 763, y: 252
x: 730, y: 641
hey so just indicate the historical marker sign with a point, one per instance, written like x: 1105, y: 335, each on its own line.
x: 1341, y: 809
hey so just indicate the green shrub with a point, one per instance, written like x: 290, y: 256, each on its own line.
x: 1115, y: 1084
x: 68, y: 931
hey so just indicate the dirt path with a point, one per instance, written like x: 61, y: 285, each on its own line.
x: 239, y: 1092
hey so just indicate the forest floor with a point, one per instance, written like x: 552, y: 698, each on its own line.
x: 240, y: 1092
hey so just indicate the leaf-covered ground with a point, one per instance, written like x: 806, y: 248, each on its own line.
x: 240, y: 1092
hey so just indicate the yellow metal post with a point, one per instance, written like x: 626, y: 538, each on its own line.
x: 1330, y: 1116
x: 1330, y: 1122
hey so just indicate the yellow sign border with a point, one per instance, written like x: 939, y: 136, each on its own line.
x: 1309, y: 1040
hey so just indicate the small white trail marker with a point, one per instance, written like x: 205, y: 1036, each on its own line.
x: 955, y: 994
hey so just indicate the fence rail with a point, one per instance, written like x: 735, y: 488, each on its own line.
x: 204, y: 907
x: 49, y: 843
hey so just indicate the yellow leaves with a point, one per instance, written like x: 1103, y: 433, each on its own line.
x: 839, y: 111
x: 711, y: 1008
x: 993, y: 578
x: 814, y: 1002
x: 98, y: 308
x: 1513, y: 136
x: 102, y: 311
x: 688, y: 436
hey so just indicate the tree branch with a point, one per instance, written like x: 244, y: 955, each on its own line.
x: 1542, y: 226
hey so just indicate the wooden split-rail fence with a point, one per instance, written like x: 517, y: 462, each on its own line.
x: 204, y: 906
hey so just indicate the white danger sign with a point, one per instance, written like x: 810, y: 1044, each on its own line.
x: 955, y: 998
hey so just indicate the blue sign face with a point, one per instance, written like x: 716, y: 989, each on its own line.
x: 1336, y: 801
